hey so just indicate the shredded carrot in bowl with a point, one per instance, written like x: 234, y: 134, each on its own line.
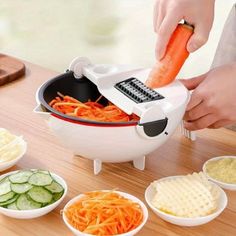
x: 90, y: 110
x: 104, y: 213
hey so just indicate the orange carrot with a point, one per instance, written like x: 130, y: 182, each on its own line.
x: 104, y: 213
x: 165, y: 70
x: 90, y: 110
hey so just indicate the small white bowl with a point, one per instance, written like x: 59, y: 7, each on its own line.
x: 30, y: 214
x: 224, y: 185
x: 8, y: 164
x: 126, y: 195
x: 184, y: 221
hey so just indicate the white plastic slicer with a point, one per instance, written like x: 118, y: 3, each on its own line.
x: 126, y: 89
x: 160, y: 110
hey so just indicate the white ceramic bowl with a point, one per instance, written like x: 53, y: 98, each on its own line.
x: 183, y: 221
x: 126, y: 195
x: 220, y: 183
x: 8, y: 164
x: 30, y: 214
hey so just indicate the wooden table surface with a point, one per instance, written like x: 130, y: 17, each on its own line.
x: 177, y: 156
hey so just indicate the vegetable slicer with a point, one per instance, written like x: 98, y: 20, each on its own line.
x: 160, y: 110
x: 126, y: 89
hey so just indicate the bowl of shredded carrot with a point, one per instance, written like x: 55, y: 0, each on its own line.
x: 105, y: 213
x: 90, y: 110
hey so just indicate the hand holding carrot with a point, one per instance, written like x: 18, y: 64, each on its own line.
x: 167, y: 15
x: 174, y: 40
x: 166, y: 69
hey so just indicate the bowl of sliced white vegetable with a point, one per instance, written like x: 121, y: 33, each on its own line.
x: 27, y: 194
x: 12, y: 149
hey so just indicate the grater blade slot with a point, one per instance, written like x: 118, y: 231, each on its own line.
x: 137, y: 91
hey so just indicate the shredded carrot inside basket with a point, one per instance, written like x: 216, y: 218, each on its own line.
x: 90, y: 110
x: 104, y: 213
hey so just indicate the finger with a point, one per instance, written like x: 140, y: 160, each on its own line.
x: 199, y: 38
x: 220, y: 124
x: 192, y: 83
x: 164, y: 33
x: 155, y: 15
x: 195, y: 100
x: 201, y: 123
x: 196, y: 113
x: 160, y: 16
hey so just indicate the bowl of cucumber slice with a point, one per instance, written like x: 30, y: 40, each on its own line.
x: 27, y: 194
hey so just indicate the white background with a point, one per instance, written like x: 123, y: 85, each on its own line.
x: 51, y: 33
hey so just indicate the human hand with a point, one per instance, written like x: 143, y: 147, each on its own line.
x: 168, y: 13
x: 213, y: 101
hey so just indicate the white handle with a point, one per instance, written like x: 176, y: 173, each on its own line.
x: 39, y: 110
x: 77, y: 66
x: 81, y: 66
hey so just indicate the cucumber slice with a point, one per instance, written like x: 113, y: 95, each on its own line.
x: 44, y: 172
x: 57, y: 196
x: 5, y: 187
x: 25, y: 203
x: 21, y: 188
x: 40, y: 179
x: 5, y: 179
x: 20, y: 177
x: 12, y: 206
x: 46, y: 204
x: 6, y: 197
x: 40, y: 194
x: 54, y: 187
x: 9, y: 201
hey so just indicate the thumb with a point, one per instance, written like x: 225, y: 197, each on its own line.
x: 192, y: 83
x: 198, y: 39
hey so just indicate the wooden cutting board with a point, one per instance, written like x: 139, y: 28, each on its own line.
x: 10, y: 69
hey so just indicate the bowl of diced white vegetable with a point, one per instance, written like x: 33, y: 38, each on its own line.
x: 12, y: 149
x: 27, y: 194
x: 186, y: 200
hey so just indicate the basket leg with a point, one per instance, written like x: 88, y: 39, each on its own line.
x: 139, y: 163
x: 97, y: 166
